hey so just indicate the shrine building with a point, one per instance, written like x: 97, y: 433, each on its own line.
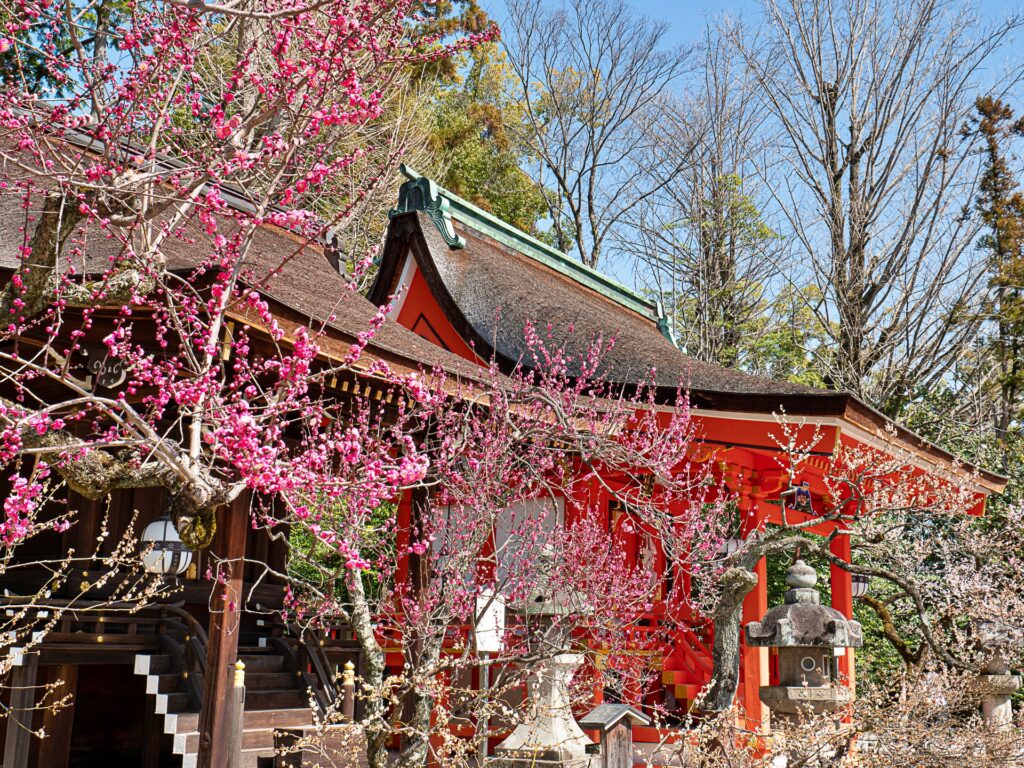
x: 466, y: 284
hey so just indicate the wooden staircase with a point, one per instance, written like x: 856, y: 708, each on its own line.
x: 688, y: 668
x: 275, y: 698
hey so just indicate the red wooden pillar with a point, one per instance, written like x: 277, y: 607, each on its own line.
x: 842, y: 600
x: 755, y: 606
x: 222, y: 651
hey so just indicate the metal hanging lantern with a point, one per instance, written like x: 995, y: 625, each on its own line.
x: 859, y: 584
x: 163, y: 551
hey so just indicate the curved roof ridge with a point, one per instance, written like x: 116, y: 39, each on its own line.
x: 420, y: 193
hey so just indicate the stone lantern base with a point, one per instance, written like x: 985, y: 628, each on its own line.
x: 527, y: 759
x: 996, y: 690
x: 795, y: 700
x: 550, y: 737
x: 1000, y: 685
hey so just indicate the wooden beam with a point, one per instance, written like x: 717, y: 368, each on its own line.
x: 18, y: 739
x: 55, y: 749
x: 222, y: 650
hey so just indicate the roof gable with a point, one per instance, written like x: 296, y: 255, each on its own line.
x: 489, y: 280
x: 422, y: 194
x: 489, y: 287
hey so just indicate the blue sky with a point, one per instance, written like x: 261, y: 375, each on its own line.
x: 686, y: 20
x: 686, y: 17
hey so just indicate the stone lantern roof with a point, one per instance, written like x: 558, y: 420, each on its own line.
x: 802, y: 621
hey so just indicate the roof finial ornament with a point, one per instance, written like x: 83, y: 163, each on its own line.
x: 665, y: 324
x: 421, y: 194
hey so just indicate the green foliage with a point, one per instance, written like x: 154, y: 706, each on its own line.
x: 96, y: 25
x: 316, y: 567
x: 471, y: 142
x: 877, y: 662
x: 29, y: 67
x: 465, y: 114
x: 722, y: 258
x: 1000, y: 204
x: 731, y: 218
x: 786, y: 344
x: 441, y: 20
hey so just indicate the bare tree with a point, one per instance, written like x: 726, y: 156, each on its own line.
x: 874, y: 173
x: 588, y: 75
x: 700, y: 241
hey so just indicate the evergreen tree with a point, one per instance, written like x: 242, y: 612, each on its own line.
x: 1000, y: 204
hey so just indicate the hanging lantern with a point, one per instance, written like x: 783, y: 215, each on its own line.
x: 859, y: 584
x: 162, y: 549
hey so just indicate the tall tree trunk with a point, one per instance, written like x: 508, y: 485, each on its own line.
x: 737, y: 583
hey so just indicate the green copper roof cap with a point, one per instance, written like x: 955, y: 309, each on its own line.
x: 422, y: 194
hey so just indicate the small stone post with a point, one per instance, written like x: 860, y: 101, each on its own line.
x: 549, y: 736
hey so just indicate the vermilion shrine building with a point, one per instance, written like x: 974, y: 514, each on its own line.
x: 468, y: 282
x: 471, y: 282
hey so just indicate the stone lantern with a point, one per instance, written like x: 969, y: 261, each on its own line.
x: 549, y: 736
x: 809, y: 637
x: 996, y: 681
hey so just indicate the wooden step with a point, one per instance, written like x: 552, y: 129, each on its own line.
x: 171, y: 703
x: 262, y: 662
x: 262, y: 739
x: 280, y: 699
x: 170, y: 683
x: 257, y: 719
x: 181, y: 722
x: 265, y: 681
x: 681, y: 677
x: 251, y: 757
x: 159, y: 664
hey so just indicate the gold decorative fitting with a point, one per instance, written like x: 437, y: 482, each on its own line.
x: 99, y: 638
x: 184, y: 675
